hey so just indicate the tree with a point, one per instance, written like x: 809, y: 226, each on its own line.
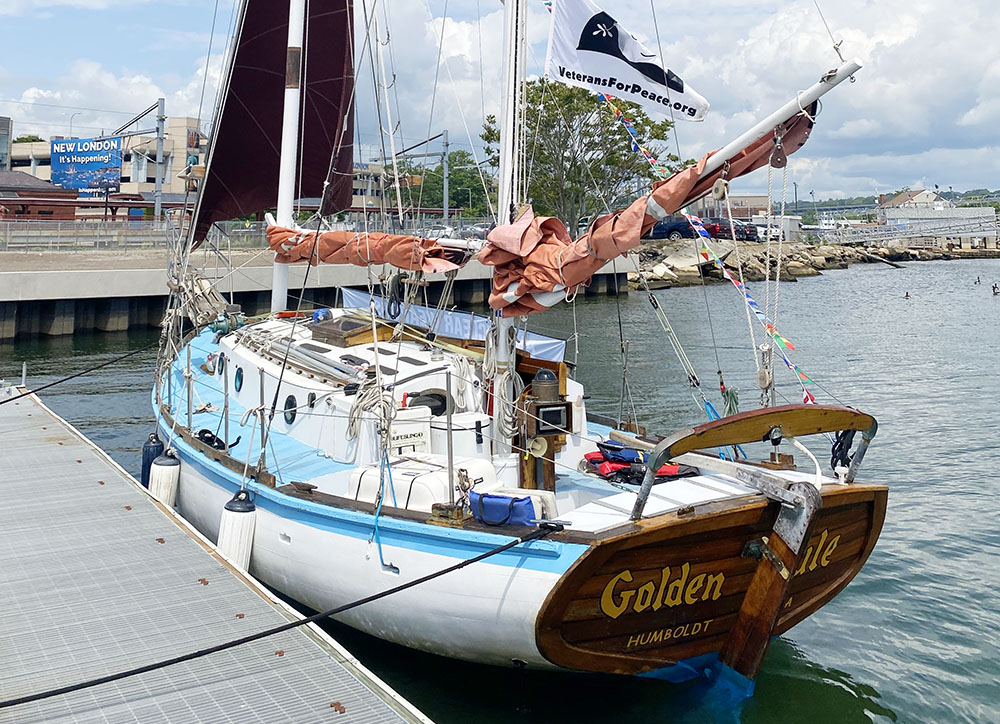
x: 465, y: 186
x: 28, y: 138
x: 579, y: 159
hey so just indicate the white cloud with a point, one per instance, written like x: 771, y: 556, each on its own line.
x: 23, y: 7
x: 923, y: 105
x: 98, y: 93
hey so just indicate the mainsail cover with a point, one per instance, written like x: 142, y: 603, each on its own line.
x: 242, y: 172
x: 537, y: 263
x: 363, y: 248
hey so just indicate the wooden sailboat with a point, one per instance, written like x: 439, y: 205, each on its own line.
x: 378, y: 452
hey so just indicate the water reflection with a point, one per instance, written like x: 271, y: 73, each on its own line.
x: 791, y: 689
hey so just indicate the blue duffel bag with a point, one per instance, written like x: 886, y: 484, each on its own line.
x: 501, y: 509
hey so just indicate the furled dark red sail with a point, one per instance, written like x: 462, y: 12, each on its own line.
x: 242, y: 173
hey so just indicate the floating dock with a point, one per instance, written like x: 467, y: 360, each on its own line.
x: 96, y: 577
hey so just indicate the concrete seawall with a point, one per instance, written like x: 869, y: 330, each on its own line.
x: 62, y: 293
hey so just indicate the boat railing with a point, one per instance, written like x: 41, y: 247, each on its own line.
x: 767, y: 424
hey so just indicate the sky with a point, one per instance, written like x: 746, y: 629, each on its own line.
x: 923, y: 112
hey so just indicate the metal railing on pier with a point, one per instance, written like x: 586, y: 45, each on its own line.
x: 123, y: 236
x: 40, y: 236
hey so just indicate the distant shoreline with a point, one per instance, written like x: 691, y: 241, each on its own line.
x: 674, y: 264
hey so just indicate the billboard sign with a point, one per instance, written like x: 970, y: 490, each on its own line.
x: 91, y: 165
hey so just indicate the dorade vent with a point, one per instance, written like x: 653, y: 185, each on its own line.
x: 312, y: 347
x: 413, y: 361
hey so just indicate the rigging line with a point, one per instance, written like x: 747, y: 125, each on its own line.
x: 623, y: 347
x: 208, y: 59
x: 675, y: 343
x: 392, y: 68
x: 468, y: 132
x: 538, y: 533
x: 836, y: 45
x: 566, y: 124
x: 82, y: 372
x: 388, y: 118
x: 777, y: 285
x: 234, y: 16
x: 434, y: 88
x: 739, y: 266
x: 313, y: 259
x: 301, y: 136
x: 475, y: 155
x: 482, y: 74
x: 369, y: 22
x: 670, y: 106
x: 708, y: 310
x: 395, y: 94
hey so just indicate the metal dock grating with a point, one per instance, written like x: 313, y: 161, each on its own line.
x: 96, y: 578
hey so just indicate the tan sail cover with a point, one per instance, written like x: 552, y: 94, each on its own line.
x: 361, y: 249
x: 536, y: 262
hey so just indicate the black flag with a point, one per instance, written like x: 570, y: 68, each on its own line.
x: 602, y: 35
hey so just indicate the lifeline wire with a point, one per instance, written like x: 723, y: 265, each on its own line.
x: 83, y: 372
x: 536, y: 534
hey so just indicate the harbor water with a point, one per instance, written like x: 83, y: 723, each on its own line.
x: 915, y: 637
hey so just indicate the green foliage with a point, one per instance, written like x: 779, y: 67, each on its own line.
x: 28, y: 138
x: 579, y: 158
x: 465, y: 187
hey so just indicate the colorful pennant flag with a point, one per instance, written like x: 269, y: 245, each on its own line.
x: 781, y: 342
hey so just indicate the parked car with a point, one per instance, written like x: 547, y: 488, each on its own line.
x: 762, y: 232
x: 673, y: 228
x: 720, y: 229
x: 749, y: 230
x: 439, y: 231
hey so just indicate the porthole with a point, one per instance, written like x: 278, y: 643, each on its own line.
x: 238, y: 380
x: 312, y: 399
x: 290, y: 405
x: 220, y: 365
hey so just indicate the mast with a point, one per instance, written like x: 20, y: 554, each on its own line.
x: 513, y: 23
x: 289, y: 144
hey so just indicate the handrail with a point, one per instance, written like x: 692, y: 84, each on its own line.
x: 754, y: 426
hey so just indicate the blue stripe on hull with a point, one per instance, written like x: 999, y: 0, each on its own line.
x: 544, y: 555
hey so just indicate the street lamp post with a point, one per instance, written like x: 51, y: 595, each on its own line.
x: 71, y: 117
x: 815, y: 214
x: 796, y: 187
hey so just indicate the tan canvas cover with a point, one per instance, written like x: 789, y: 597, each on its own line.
x: 362, y: 248
x: 536, y: 262
x: 535, y: 256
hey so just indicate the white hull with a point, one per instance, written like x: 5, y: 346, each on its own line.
x: 484, y: 613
